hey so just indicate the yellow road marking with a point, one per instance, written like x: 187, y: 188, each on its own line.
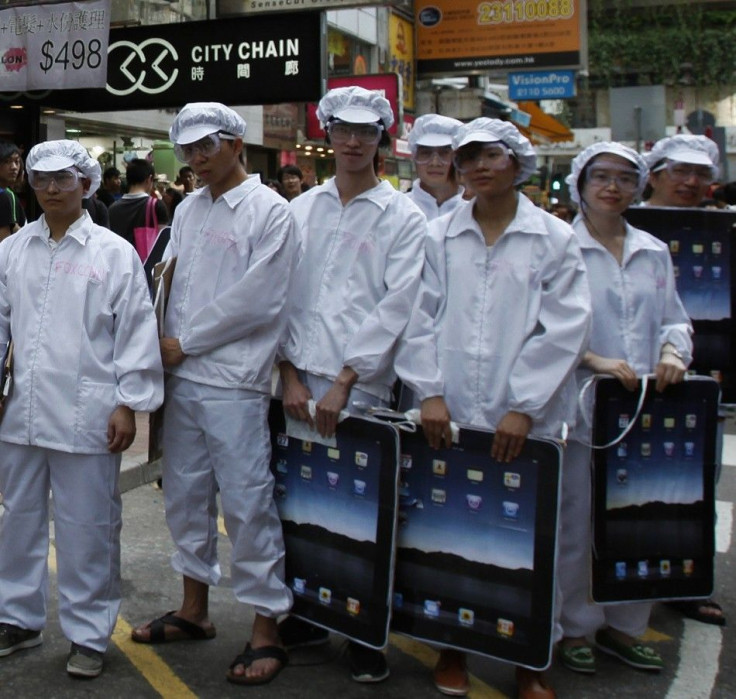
x: 653, y: 636
x: 154, y: 670
x: 428, y: 657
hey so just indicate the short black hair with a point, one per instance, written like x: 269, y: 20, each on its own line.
x: 109, y: 173
x: 289, y: 170
x: 138, y: 171
x: 184, y: 170
x: 7, y: 150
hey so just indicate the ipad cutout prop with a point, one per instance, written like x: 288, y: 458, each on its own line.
x: 476, y: 546
x: 338, y: 510
x: 653, y: 492
x: 701, y: 243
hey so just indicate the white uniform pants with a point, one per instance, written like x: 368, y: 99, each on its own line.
x: 87, y: 522
x: 580, y: 617
x: 219, y: 438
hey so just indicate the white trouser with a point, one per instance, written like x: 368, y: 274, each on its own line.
x: 219, y: 438
x: 319, y: 385
x: 581, y: 617
x: 87, y: 522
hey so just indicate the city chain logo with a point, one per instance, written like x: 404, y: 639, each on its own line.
x: 149, y: 53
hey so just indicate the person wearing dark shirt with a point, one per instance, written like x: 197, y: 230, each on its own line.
x: 11, y: 165
x: 129, y: 212
x: 109, y: 192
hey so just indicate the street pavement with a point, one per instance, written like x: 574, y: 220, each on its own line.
x: 696, y: 655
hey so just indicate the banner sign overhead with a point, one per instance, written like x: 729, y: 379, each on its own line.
x: 466, y: 36
x: 251, y: 60
x: 56, y: 47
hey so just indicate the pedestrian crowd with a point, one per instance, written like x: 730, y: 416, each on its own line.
x: 488, y: 309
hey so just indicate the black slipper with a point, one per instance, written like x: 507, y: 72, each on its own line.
x: 249, y: 656
x: 691, y: 608
x: 192, y: 632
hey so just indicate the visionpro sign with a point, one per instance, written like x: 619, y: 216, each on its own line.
x: 542, y: 85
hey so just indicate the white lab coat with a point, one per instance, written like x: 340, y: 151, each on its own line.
x: 499, y: 328
x: 636, y: 310
x: 355, y: 283
x: 235, y: 258
x: 84, y: 332
x: 428, y: 204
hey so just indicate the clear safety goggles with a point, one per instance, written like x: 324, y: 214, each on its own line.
x: 65, y: 180
x: 426, y: 154
x: 342, y: 132
x: 682, y: 172
x: 206, y: 147
x: 495, y: 156
x: 625, y: 180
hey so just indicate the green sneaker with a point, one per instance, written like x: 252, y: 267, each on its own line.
x: 84, y: 662
x: 637, y: 655
x: 577, y: 658
x: 13, y: 638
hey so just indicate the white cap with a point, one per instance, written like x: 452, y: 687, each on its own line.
x: 356, y: 105
x: 582, y: 159
x: 485, y: 130
x: 199, y: 119
x: 685, y: 148
x: 432, y: 130
x: 52, y: 156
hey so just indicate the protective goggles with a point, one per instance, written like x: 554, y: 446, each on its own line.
x: 206, y: 147
x: 625, y: 180
x: 426, y: 154
x: 65, y: 180
x: 682, y: 172
x: 495, y: 156
x: 342, y: 132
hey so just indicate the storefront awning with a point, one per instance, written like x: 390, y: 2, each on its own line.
x: 542, y: 128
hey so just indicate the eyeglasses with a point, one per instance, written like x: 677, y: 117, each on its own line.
x: 341, y: 132
x: 625, y: 180
x: 682, y: 172
x: 425, y: 155
x: 494, y: 156
x: 65, y: 180
x: 207, y: 147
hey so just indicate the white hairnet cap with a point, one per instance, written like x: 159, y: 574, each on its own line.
x: 52, y: 156
x: 199, y: 119
x: 685, y: 148
x: 485, y: 130
x: 432, y: 130
x: 355, y: 105
x: 612, y: 148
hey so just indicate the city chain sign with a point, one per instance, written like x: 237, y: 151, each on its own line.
x: 243, y: 61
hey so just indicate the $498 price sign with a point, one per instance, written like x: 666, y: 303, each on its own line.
x: 73, y: 55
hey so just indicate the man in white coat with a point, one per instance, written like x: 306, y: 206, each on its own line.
x: 500, y: 323
x: 234, y: 240
x: 362, y: 251
x: 74, y: 300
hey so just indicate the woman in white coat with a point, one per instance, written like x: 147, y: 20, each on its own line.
x: 639, y: 326
x: 436, y: 190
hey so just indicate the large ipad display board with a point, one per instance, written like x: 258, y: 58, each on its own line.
x: 476, y: 546
x: 654, y: 506
x: 338, y: 510
x: 701, y: 243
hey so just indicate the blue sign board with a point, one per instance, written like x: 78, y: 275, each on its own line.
x: 542, y: 85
